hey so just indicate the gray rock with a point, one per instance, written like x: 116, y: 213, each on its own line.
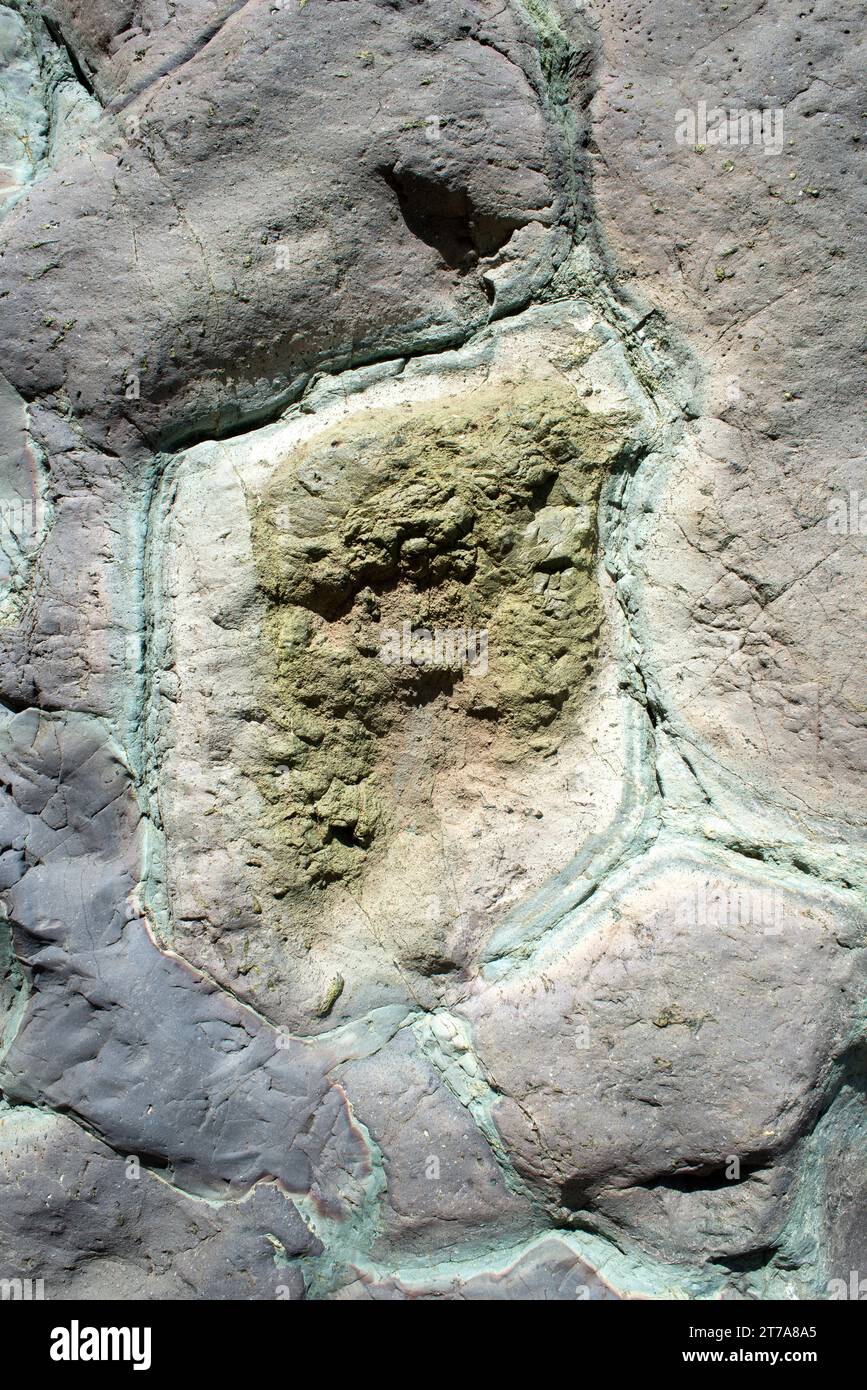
x: 228, y: 233
x: 661, y: 1065
x: 88, y: 1222
x: 208, y: 1093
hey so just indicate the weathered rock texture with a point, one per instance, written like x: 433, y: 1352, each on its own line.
x: 433, y: 731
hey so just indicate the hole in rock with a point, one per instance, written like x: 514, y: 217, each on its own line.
x: 446, y: 219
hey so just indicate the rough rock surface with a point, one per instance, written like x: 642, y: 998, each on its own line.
x: 340, y: 337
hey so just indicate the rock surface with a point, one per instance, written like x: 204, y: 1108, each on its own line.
x: 431, y: 728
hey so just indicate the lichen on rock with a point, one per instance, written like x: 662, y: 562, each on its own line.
x: 438, y: 553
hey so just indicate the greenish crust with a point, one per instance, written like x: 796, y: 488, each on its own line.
x: 477, y: 514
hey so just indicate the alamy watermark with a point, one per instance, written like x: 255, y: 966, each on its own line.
x: 451, y: 648
x: 21, y: 1290
x: 20, y: 519
x: 855, y: 1289
x: 20, y: 528
x: 77, y: 1343
x: 732, y: 907
x: 847, y: 516
x: 717, y: 125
